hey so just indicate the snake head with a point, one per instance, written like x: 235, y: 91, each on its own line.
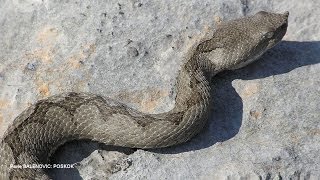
x: 239, y: 42
x: 273, y: 27
x: 262, y: 31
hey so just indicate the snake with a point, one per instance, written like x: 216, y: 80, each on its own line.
x: 38, y: 131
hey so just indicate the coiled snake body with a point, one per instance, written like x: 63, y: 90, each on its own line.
x: 37, y: 132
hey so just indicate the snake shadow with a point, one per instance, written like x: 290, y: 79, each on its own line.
x: 227, y: 107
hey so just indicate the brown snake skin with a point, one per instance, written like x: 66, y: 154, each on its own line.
x: 37, y: 132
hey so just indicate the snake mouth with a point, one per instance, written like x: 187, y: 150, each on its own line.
x: 280, y: 31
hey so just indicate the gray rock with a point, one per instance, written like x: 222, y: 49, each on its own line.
x: 265, y: 121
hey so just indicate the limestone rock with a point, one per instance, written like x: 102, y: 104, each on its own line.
x: 265, y: 121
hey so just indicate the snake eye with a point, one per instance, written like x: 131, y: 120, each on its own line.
x: 268, y: 35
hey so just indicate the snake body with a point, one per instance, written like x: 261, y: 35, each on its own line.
x: 38, y: 131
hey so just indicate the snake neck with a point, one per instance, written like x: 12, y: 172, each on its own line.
x: 193, y: 84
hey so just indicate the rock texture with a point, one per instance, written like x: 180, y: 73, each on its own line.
x: 265, y: 121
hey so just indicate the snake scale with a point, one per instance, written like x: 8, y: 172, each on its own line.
x: 38, y: 131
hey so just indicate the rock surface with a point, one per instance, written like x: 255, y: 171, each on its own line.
x: 265, y: 121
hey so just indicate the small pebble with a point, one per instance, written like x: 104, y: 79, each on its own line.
x: 132, y: 52
x: 32, y: 66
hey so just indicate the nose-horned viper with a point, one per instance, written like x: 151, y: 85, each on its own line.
x: 37, y: 132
